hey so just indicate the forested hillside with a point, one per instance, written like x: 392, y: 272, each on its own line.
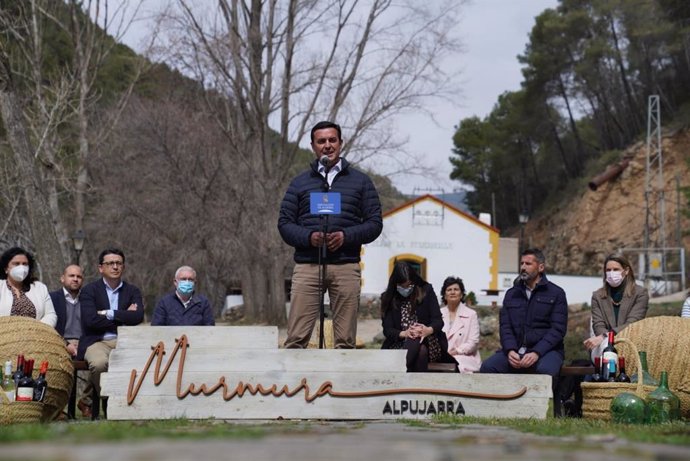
x: 183, y: 155
x: 589, y: 69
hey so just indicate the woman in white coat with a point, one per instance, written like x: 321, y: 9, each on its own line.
x: 21, y: 293
x: 461, y: 326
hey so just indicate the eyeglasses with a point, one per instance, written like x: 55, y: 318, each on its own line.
x: 113, y: 263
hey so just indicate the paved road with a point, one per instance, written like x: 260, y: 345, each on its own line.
x: 371, y: 441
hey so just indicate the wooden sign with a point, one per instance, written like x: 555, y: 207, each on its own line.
x: 240, y: 373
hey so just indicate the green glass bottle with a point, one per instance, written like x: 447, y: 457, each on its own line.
x: 647, y: 379
x: 663, y: 405
x: 628, y: 408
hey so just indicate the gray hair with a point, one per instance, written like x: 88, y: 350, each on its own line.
x: 184, y: 268
x: 537, y: 253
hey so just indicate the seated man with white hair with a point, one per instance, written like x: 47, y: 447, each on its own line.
x: 183, y: 306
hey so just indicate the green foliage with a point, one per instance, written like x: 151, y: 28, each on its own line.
x: 588, y: 70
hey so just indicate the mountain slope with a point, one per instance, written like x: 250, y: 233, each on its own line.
x: 576, y: 236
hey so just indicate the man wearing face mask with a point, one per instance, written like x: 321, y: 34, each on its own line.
x: 183, y: 306
x: 533, y: 323
x: 21, y: 293
x: 617, y: 304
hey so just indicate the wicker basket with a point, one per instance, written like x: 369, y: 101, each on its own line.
x: 24, y: 335
x: 19, y: 412
x: 666, y: 340
x: 597, y: 397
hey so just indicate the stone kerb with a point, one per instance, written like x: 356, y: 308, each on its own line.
x: 240, y: 373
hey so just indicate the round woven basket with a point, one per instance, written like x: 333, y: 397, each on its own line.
x: 596, y: 397
x: 36, y: 340
x: 19, y: 412
x: 666, y: 340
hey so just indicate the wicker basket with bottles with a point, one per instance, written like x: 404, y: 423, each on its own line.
x: 596, y: 397
x: 666, y: 340
x: 19, y: 412
x: 23, y: 335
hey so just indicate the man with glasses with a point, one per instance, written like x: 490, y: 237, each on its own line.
x: 183, y: 306
x: 106, y: 303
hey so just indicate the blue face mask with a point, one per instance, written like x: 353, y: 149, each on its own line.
x: 185, y: 287
x: 405, y: 292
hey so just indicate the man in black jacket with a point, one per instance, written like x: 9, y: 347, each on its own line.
x: 106, y: 304
x: 358, y: 223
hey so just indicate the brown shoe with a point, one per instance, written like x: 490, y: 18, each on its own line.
x: 85, y: 409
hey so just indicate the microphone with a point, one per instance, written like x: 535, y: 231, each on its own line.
x: 326, y: 165
x: 325, y: 162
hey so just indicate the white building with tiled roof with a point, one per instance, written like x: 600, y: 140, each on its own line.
x: 439, y: 240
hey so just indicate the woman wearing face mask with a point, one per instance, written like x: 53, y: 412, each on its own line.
x: 617, y: 304
x: 412, y: 319
x: 461, y: 326
x: 21, y: 293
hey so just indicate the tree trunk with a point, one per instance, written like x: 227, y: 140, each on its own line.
x: 41, y: 229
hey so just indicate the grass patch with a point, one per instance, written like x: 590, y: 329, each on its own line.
x: 135, y: 430
x: 677, y: 433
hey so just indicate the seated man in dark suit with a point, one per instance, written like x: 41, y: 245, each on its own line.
x: 106, y: 304
x: 68, y: 310
x: 183, y: 306
x: 67, y: 307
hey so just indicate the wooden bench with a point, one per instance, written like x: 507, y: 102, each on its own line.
x: 79, y: 365
x: 566, y: 371
x: 82, y: 365
x: 438, y: 367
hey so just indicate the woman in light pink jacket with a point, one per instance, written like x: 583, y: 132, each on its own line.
x: 461, y: 326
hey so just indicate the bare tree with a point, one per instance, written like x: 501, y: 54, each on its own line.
x: 274, y: 68
x: 59, y: 102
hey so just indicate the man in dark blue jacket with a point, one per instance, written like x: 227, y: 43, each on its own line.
x: 183, y: 306
x: 106, y: 304
x: 358, y: 223
x: 533, y: 322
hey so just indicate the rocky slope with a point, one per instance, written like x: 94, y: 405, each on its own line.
x: 577, y: 236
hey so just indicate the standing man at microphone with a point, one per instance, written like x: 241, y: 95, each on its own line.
x: 358, y: 223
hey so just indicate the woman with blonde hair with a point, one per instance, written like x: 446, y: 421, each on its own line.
x: 617, y: 304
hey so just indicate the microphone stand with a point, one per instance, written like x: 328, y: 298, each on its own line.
x: 323, y: 252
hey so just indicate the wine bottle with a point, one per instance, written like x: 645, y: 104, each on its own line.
x: 604, y: 370
x: 612, y: 371
x: 611, y: 354
x: 596, y: 377
x: 41, y: 384
x: 7, y: 382
x: 17, y: 375
x: 622, y: 376
x: 25, y: 387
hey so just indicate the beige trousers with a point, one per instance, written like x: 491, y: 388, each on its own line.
x: 343, y: 284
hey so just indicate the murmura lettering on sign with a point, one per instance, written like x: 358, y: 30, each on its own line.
x: 424, y: 407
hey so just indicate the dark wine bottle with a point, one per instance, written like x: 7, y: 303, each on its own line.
x: 41, y: 384
x: 611, y: 354
x: 596, y: 377
x: 622, y: 376
x: 25, y: 387
x: 17, y: 375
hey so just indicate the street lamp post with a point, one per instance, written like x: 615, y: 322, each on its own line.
x: 78, y: 243
x: 523, y: 218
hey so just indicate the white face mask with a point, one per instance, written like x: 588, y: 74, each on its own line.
x: 19, y: 273
x: 614, y: 278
